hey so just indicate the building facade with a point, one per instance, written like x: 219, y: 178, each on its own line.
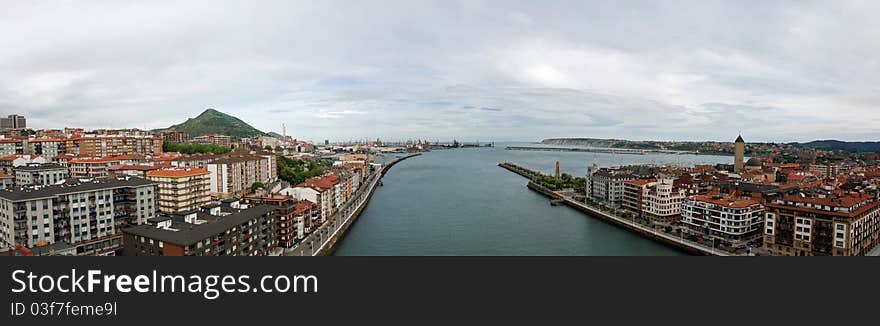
x: 836, y: 225
x: 731, y: 218
x: 86, y: 214
x: 232, y: 229
x: 607, y: 186
x: 13, y: 121
x: 40, y: 174
x: 181, y: 190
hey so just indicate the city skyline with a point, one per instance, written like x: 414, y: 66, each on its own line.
x: 436, y: 70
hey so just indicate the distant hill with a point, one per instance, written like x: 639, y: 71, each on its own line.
x: 274, y: 134
x: 215, y: 122
x: 863, y: 146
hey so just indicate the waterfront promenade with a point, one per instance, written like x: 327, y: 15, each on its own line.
x: 669, y: 239
x: 322, y: 241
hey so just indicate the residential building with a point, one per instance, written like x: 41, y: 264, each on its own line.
x: 213, y: 139
x: 104, y: 145
x: 181, y: 190
x: 232, y: 229
x: 40, y: 174
x: 87, y: 167
x: 10, y: 146
x: 729, y: 218
x: 45, y: 147
x: 86, y: 214
x: 7, y: 181
x: 175, y: 136
x: 633, y: 191
x: 9, y: 163
x: 13, y: 121
x: 606, y: 186
x: 319, y: 190
x: 132, y: 170
x: 194, y: 161
x: 839, y: 224
x: 233, y: 174
x: 661, y: 201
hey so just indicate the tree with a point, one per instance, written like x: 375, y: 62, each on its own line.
x: 193, y: 148
x: 268, y: 148
x: 257, y: 185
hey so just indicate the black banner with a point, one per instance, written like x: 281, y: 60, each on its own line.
x: 416, y: 290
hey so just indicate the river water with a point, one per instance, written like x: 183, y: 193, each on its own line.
x: 459, y: 202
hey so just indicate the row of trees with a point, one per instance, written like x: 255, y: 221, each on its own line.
x: 193, y: 148
x: 565, y: 180
x: 296, y: 171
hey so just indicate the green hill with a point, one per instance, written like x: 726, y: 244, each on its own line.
x: 215, y: 122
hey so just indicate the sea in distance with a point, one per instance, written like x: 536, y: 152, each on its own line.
x: 459, y: 202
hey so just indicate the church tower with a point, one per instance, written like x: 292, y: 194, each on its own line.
x: 739, y: 151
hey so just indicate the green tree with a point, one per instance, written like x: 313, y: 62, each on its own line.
x: 257, y: 185
x: 193, y: 148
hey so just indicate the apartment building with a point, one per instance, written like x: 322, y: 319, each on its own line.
x: 7, y: 181
x: 10, y: 146
x: 175, y: 136
x: 291, y: 216
x: 320, y: 190
x: 633, y: 191
x: 87, y: 214
x: 132, y: 170
x: 214, y: 139
x: 606, y: 186
x: 40, y: 174
x: 840, y: 224
x: 231, y: 229
x: 13, y: 121
x: 45, y: 147
x: 87, y: 167
x: 233, y: 174
x: 182, y: 190
x: 103, y: 145
x: 194, y: 161
x: 9, y: 163
x: 662, y: 201
x: 730, y: 218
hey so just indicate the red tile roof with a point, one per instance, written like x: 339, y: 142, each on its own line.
x: 730, y: 201
x: 177, y: 173
x: 323, y: 182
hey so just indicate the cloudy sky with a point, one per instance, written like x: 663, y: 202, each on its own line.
x: 487, y: 70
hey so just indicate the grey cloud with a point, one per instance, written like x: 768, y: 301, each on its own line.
x: 436, y: 69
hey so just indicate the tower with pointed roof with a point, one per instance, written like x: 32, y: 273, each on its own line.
x: 739, y: 152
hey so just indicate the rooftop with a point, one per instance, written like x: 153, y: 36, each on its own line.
x: 185, y: 234
x: 40, y: 167
x: 177, y: 173
x: 71, y: 186
x: 729, y: 201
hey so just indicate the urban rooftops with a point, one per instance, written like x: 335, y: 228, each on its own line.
x: 71, y: 186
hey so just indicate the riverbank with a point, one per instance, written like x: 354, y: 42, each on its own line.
x: 324, y: 239
x: 670, y: 240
